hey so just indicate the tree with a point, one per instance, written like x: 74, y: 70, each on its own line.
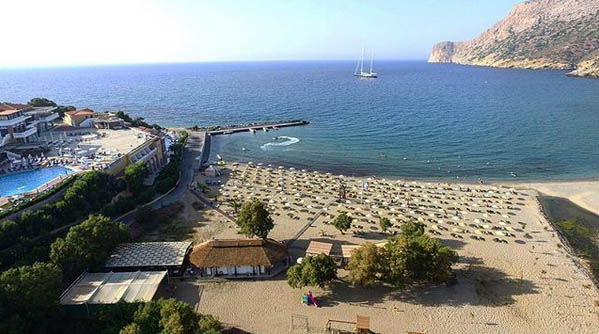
x: 41, y: 102
x: 235, y: 205
x: 147, y: 317
x: 385, y: 224
x: 342, y: 222
x: 176, y: 317
x: 170, y: 316
x: 135, y: 175
x: 316, y: 270
x: 113, y: 319
x: 416, y: 258
x: 208, y: 324
x: 9, y: 230
x: 61, y: 110
x: 412, y: 229
x: 254, y: 219
x: 131, y: 328
x: 412, y: 257
x: 29, y: 297
x: 143, y: 214
x: 87, y: 245
x: 365, y: 264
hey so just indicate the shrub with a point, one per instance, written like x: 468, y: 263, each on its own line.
x: 316, y: 270
x: 413, y: 257
x: 342, y: 222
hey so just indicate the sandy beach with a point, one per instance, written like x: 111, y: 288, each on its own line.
x: 583, y: 193
x: 514, y: 276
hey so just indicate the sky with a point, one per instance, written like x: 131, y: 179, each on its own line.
x: 84, y: 32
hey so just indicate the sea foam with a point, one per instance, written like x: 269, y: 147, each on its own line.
x: 287, y: 142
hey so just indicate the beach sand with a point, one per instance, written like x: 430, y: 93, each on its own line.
x: 529, y: 284
x: 583, y: 193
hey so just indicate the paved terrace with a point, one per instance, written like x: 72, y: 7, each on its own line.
x: 107, y: 145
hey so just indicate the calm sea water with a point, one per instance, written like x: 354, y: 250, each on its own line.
x: 415, y: 120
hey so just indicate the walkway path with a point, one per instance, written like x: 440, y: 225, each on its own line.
x: 307, y: 226
x: 189, y: 166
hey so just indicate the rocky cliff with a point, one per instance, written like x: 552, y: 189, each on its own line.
x: 555, y: 34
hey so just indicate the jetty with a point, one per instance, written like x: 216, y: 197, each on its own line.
x: 265, y: 126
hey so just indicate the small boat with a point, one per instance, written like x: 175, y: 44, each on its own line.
x: 264, y: 129
x: 513, y: 174
x: 252, y: 130
x: 243, y: 149
x: 219, y: 157
x: 370, y: 74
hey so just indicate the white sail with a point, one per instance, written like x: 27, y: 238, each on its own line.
x: 362, y: 62
x: 362, y: 74
x: 371, y: 61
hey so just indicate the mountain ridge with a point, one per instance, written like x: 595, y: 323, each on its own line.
x: 535, y: 34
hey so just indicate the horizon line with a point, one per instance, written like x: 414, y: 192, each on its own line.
x: 49, y: 66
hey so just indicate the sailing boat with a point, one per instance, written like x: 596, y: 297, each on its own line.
x: 360, y: 65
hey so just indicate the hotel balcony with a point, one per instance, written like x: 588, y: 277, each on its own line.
x: 13, y: 122
x: 143, y: 155
x: 25, y: 134
x: 49, y: 118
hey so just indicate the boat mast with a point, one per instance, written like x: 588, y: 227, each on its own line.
x: 371, y: 61
x: 362, y: 62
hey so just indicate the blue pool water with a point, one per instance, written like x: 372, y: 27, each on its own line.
x: 18, y: 183
x: 416, y: 120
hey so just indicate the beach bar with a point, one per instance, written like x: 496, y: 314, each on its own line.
x: 233, y: 258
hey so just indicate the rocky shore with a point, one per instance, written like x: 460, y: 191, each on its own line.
x: 538, y: 34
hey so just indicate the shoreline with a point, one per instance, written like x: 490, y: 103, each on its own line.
x: 564, y: 188
x: 466, y: 179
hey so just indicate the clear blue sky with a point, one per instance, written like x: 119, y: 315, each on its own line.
x: 67, y: 32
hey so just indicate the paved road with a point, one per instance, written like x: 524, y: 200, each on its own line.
x: 189, y: 166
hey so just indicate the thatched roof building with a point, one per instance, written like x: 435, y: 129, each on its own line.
x: 246, y: 257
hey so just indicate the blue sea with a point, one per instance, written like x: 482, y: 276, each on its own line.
x: 417, y: 120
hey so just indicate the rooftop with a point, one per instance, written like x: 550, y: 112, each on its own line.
x: 347, y: 250
x: 233, y: 252
x: 40, y: 110
x: 148, y: 254
x: 7, y: 112
x: 80, y: 112
x: 110, y: 288
x: 111, y: 142
x: 317, y: 247
x: 13, y: 106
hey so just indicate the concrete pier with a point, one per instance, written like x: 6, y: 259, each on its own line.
x: 256, y: 127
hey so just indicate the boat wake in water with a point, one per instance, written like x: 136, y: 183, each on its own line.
x: 288, y: 141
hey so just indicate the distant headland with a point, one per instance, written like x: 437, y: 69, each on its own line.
x: 536, y: 34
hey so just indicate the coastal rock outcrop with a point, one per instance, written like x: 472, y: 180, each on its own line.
x: 536, y: 34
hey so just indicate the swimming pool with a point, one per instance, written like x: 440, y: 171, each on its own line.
x: 19, y: 183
